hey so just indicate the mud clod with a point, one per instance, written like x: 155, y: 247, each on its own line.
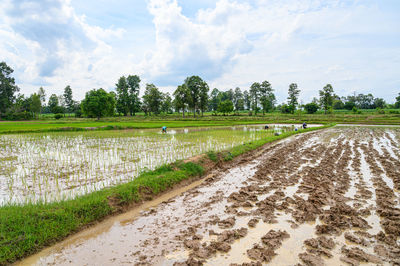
x: 311, y: 260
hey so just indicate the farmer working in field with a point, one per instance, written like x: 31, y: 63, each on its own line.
x: 266, y: 127
x: 304, y: 125
x: 164, y: 129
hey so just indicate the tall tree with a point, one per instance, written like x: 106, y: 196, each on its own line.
x: 254, y: 96
x: 267, y: 97
x: 379, y: 103
x: 35, y: 104
x: 397, y: 103
x: 293, y: 97
x: 326, y: 97
x: 69, y: 101
x: 62, y: 106
x: 7, y: 88
x: 196, y: 87
x: 98, y: 103
x: 166, y: 105
x: 247, y: 100
x: 214, y: 99
x: 134, y: 88
x: 238, y: 101
x: 152, y: 99
x: 42, y: 95
x: 53, y: 104
x: 181, y: 98
x: 203, y: 103
x: 123, y: 100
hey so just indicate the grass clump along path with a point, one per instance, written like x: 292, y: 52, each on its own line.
x: 26, y: 229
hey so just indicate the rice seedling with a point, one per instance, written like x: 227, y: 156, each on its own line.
x: 45, y: 167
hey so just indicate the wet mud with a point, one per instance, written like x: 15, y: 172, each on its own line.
x: 323, y: 198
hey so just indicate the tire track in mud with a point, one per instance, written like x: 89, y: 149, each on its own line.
x: 322, y: 198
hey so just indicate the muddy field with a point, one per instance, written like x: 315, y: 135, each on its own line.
x: 321, y: 198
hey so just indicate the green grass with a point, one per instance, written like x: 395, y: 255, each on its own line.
x: 26, y: 229
x: 212, y: 156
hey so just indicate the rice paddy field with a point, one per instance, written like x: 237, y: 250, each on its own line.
x: 53, y: 166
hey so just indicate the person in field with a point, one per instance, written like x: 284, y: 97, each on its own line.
x: 304, y: 125
x: 266, y: 127
x: 164, y: 129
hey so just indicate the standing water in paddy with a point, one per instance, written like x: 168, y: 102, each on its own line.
x: 55, y: 166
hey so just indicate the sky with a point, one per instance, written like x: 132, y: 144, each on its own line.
x: 353, y: 45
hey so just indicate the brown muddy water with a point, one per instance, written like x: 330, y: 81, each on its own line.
x: 323, y: 198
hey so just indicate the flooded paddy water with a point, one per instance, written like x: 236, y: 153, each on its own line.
x: 55, y: 166
x: 328, y: 197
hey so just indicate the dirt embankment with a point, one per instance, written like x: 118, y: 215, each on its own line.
x: 324, y: 198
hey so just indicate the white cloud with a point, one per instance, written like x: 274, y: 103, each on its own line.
x: 185, y: 47
x: 355, y: 45
x: 50, y: 45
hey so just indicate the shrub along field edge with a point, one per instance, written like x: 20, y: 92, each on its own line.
x: 26, y: 229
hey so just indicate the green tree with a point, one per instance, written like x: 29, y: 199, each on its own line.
x: 123, y: 100
x: 337, y: 104
x: 53, y: 104
x: 365, y: 101
x: 152, y: 99
x: 293, y: 96
x: 311, y: 108
x: 267, y: 97
x: 7, y: 88
x: 35, y: 104
x: 238, y: 101
x: 134, y: 88
x: 225, y: 107
x: 254, y: 96
x: 78, y: 108
x: 196, y: 87
x: 42, y: 95
x: 349, y: 105
x: 214, y: 99
x: 166, y: 105
x: 247, y: 100
x: 326, y: 97
x: 98, y: 103
x: 181, y: 98
x: 379, y: 103
x: 286, y: 109
x: 203, y: 103
x: 69, y: 102
x: 397, y: 103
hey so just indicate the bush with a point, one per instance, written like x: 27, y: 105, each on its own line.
x: 58, y: 116
x: 212, y: 156
x: 356, y: 111
x: 394, y: 112
x: 380, y: 111
x: 286, y: 109
x: 58, y: 110
x: 225, y: 107
x: 78, y: 113
x: 349, y: 105
x: 311, y: 108
x: 17, y: 116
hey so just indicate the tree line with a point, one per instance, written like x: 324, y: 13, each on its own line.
x: 192, y: 97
